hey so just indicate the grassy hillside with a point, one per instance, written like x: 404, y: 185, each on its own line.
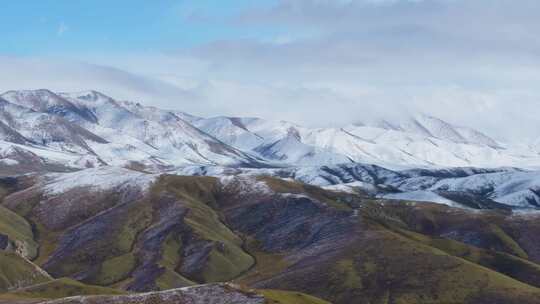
x: 18, y: 232
x: 60, y: 288
x: 60, y: 291
x: 170, y: 237
x: 278, y: 235
x: 386, y: 267
x: 16, y: 272
x: 394, y: 253
x: 289, y: 297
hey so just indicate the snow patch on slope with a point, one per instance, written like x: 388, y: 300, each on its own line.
x: 421, y: 196
x: 519, y: 189
x: 97, y: 179
x: 245, y: 184
x: 351, y: 187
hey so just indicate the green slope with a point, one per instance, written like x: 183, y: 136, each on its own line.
x: 60, y: 288
x: 289, y: 297
x: 344, y: 248
x: 16, y: 272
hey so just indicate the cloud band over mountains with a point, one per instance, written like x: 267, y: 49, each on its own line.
x: 474, y: 63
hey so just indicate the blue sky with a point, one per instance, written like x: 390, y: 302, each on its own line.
x: 71, y: 26
x: 315, y: 62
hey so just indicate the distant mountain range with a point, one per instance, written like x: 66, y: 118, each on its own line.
x: 420, y: 158
x: 44, y: 129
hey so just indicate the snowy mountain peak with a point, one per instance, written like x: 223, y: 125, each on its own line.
x: 436, y: 128
x: 432, y: 127
x: 48, y: 102
x: 37, y: 100
x: 125, y: 133
x: 117, y: 132
x: 90, y: 95
x: 444, y: 130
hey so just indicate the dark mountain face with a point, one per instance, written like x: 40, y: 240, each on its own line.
x: 265, y: 233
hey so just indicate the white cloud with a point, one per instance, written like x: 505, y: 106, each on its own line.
x: 62, y: 75
x: 475, y: 63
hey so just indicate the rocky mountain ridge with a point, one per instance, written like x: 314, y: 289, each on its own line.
x: 88, y: 129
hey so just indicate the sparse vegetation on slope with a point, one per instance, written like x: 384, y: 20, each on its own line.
x: 61, y: 288
x: 274, y: 234
x: 16, y: 234
x: 289, y: 297
x: 17, y: 272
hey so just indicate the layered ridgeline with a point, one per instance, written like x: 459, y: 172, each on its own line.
x: 105, y: 201
x: 115, y: 235
x: 54, y: 131
x: 90, y: 129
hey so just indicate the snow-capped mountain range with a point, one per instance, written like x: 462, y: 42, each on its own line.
x: 419, y: 158
x: 89, y: 129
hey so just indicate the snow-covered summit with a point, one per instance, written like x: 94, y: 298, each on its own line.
x: 124, y: 133
x: 117, y: 132
x: 423, y: 141
x: 429, y: 126
x: 98, y: 179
